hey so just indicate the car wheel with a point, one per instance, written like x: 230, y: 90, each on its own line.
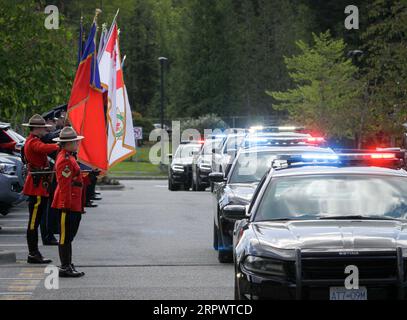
x: 199, y: 186
x: 194, y: 184
x: 238, y: 296
x: 171, y: 185
x: 215, y: 237
x: 225, y: 256
x: 4, y: 210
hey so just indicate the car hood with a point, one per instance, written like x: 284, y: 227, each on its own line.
x: 183, y: 161
x: 207, y: 158
x: 326, y: 235
x: 6, y: 158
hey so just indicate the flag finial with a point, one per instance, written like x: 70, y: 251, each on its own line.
x: 97, y: 13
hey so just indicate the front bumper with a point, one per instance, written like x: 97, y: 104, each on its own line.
x: 204, y: 176
x: 299, y: 285
x: 181, y: 177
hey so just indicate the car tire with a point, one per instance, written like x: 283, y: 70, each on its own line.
x: 225, y: 256
x: 237, y: 294
x: 171, y: 185
x: 4, y: 210
x: 194, y: 188
x: 215, y: 237
x: 199, y: 186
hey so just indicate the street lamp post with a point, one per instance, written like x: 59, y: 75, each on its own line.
x: 162, y: 63
x: 355, y: 55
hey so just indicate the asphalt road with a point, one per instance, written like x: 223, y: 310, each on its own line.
x: 143, y: 242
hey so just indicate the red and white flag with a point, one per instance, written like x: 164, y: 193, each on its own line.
x: 121, y: 142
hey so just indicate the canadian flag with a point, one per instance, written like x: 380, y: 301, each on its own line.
x: 121, y: 142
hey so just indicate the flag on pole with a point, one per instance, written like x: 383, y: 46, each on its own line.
x: 85, y: 108
x: 81, y: 45
x: 120, y: 132
x: 102, y: 41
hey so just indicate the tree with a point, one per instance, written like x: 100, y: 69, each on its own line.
x: 325, y: 90
x: 264, y: 32
x: 141, y: 47
x: 385, y: 70
x: 37, y: 65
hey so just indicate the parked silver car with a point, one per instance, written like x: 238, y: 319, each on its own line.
x: 10, y: 184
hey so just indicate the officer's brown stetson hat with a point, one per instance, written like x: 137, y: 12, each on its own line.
x: 37, y: 121
x: 68, y: 134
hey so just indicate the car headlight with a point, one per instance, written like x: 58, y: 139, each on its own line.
x: 177, y: 168
x: 205, y: 166
x: 6, y: 168
x: 264, y: 265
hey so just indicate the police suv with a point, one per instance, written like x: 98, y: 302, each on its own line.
x: 324, y: 227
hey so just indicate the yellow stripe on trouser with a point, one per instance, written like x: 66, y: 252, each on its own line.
x: 35, y: 211
x: 63, y: 217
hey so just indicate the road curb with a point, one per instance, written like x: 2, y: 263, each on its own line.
x: 7, y: 257
x: 139, y: 178
x: 110, y: 187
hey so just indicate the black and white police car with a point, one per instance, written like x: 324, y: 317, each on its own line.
x: 312, y: 217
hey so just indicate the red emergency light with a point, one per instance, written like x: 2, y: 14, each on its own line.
x: 315, y: 139
x: 383, y: 156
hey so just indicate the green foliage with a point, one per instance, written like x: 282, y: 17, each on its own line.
x: 325, y: 88
x: 385, y: 45
x: 141, y: 68
x: 209, y: 121
x: 146, y: 124
x: 223, y: 57
x: 36, y: 64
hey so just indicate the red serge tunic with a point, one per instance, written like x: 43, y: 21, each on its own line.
x: 68, y: 194
x: 36, y: 153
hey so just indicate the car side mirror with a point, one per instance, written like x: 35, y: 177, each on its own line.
x: 216, y: 177
x: 234, y: 212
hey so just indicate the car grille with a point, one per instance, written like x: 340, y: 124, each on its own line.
x: 372, y: 268
x: 320, y: 267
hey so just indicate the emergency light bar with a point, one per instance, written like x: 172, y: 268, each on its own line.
x: 393, y: 160
x: 283, y: 141
x: 275, y: 129
x: 306, y: 159
x: 344, y: 158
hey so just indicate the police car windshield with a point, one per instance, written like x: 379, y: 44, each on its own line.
x: 233, y: 143
x: 250, y: 167
x: 186, y: 151
x: 335, y: 196
x: 210, y: 145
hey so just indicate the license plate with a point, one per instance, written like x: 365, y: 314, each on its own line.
x: 341, y: 293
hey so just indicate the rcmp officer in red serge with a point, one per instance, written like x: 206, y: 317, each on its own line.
x: 68, y: 198
x: 37, y: 182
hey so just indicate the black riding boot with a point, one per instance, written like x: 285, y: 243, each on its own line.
x: 67, y: 270
x: 34, y: 255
